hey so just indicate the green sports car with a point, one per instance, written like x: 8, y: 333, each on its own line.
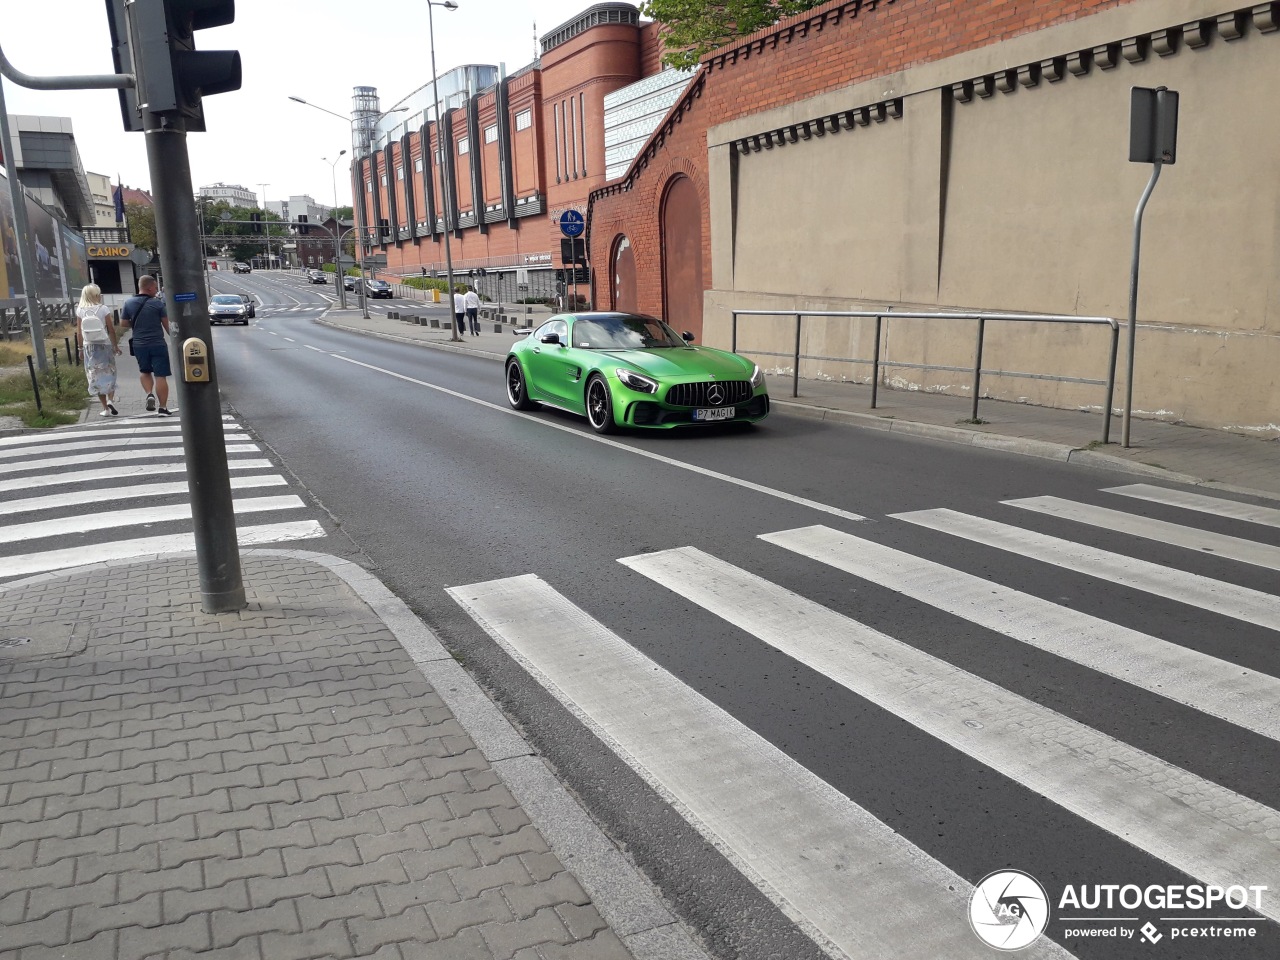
x: 628, y: 370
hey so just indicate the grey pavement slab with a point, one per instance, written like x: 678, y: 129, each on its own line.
x: 278, y: 782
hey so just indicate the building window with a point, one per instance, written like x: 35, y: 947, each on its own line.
x: 368, y: 186
x: 464, y: 146
x: 491, y: 133
x: 524, y: 119
x: 399, y: 173
x: 417, y: 165
x: 383, y: 179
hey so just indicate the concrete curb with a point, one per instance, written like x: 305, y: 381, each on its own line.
x: 625, y: 898
x: 431, y: 344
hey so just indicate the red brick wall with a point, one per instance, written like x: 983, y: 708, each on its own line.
x: 828, y: 48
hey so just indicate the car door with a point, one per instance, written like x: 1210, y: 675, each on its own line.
x: 550, y: 368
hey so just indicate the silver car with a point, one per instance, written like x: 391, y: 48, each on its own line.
x: 228, y: 308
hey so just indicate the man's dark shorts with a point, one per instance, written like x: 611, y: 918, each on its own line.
x: 153, y: 358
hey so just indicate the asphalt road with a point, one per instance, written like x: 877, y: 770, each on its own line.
x: 432, y: 481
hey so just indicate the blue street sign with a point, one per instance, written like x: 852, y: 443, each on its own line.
x: 183, y: 297
x: 572, y: 223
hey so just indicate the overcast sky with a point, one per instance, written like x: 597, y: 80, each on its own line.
x: 314, y: 49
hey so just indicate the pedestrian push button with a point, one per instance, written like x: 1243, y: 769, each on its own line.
x: 195, y: 361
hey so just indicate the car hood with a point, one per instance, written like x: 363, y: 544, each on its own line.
x: 684, y: 362
x: 226, y: 306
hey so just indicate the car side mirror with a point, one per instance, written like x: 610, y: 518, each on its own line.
x: 551, y: 338
x: 687, y: 337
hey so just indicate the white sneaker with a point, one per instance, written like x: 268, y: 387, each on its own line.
x: 151, y: 401
x: 104, y: 413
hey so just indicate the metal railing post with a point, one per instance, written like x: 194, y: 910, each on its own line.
x: 795, y: 371
x: 1111, y: 382
x: 977, y: 368
x: 875, y: 365
x: 733, y: 334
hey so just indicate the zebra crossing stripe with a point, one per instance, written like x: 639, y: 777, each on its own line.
x: 1218, y: 544
x: 121, y: 472
x: 1244, y: 697
x: 846, y: 877
x: 1216, y: 596
x: 111, y: 428
x: 65, y: 526
x: 1199, y: 827
x: 80, y: 497
x: 1231, y: 509
x: 111, y: 456
x: 106, y: 442
x: 32, y: 563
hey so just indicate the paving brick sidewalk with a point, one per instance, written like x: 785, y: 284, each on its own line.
x: 278, y: 783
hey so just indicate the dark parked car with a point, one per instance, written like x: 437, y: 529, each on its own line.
x: 380, y: 288
x: 318, y: 276
x: 239, y: 267
x: 351, y: 283
x: 249, y: 303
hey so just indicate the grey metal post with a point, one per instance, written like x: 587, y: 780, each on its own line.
x: 733, y: 336
x: 875, y: 365
x: 203, y: 443
x: 1133, y: 296
x: 977, y: 368
x: 26, y: 262
x: 795, y: 373
x: 446, y: 171
x: 1111, y: 383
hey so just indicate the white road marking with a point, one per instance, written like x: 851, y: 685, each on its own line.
x: 32, y: 563
x: 1231, y: 509
x: 113, y: 473
x: 1205, y: 541
x: 108, y: 497
x: 105, y: 442
x: 1244, y: 697
x: 1217, y: 596
x: 703, y: 471
x: 109, y: 456
x: 1201, y: 828
x: 316, y: 349
x: 846, y: 877
x: 147, y: 427
x: 290, y: 340
x: 137, y: 516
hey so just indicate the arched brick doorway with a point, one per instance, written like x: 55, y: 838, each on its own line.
x: 624, y: 275
x: 682, y: 256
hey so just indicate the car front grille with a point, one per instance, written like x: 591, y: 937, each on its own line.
x: 697, y: 394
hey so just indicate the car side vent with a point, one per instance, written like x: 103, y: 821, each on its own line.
x: 704, y: 394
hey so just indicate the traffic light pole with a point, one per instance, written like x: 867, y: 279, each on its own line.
x: 203, y: 443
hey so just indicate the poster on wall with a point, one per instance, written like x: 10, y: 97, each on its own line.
x: 10, y: 276
x: 44, y: 241
x: 75, y: 261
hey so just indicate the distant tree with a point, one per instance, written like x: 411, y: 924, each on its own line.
x: 141, y: 220
x: 342, y: 213
x: 696, y: 27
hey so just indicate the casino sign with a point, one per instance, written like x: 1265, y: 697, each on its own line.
x: 109, y: 251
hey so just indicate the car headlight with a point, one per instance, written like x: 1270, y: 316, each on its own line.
x: 757, y: 377
x: 637, y: 381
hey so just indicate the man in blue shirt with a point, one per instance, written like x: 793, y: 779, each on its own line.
x: 145, y: 314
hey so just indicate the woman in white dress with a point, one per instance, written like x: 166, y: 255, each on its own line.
x: 98, y: 334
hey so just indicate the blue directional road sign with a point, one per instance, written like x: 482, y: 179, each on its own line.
x: 572, y: 223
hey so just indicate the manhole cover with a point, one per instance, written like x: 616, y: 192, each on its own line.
x: 63, y: 638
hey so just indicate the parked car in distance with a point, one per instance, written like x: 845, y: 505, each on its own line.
x: 350, y: 283
x: 240, y: 267
x: 250, y: 303
x: 318, y: 276
x: 228, y: 308
x: 380, y: 288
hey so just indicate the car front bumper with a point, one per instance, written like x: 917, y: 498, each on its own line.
x: 655, y: 414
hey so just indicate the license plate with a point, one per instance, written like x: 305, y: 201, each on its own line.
x: 715, y: 413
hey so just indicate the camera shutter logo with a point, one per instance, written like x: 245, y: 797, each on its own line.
x: 1009, y: 910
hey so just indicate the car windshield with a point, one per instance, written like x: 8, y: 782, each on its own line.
x: 227, y: 298
x: 623, y: 332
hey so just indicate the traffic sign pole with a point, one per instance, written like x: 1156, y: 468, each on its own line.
x: 573, y: 225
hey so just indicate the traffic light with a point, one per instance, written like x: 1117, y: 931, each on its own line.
x: 573, y: 250
x: 122, y: 58
x: 257, y: 222
x: 303, y: 229
x: 384, y: 229
x: 172, y: 76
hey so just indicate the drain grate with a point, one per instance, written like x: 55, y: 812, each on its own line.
x: 15, y: 642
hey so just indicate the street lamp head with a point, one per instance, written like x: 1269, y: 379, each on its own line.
x: 298, y: 100
x: 449, y: 5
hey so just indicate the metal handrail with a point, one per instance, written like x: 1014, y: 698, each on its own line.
x: 981, y: 318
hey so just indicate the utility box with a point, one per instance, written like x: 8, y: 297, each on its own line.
x: 195, y: 361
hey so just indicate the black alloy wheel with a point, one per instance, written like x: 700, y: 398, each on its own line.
x: 517, y: 392
x: 599, y: 406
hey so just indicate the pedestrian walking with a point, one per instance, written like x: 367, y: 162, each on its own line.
x: 146, y: 316
x: 101, y: 347
x: 460, y: 311
x: 471, y: 300
x: 424, y: 271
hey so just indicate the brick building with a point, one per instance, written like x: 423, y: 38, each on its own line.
x: 520, y: 152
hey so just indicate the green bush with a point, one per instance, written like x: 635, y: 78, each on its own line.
x: 433, y: 283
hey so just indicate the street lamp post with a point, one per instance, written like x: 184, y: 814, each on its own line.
x: 266, y: 222
x: 446, y: 154
x: 337, y: 266
x: 355, y: 208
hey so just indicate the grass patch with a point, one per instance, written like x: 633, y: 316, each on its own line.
x: 63, y: 394
x: 14, y: 353
x: 977, y: 421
